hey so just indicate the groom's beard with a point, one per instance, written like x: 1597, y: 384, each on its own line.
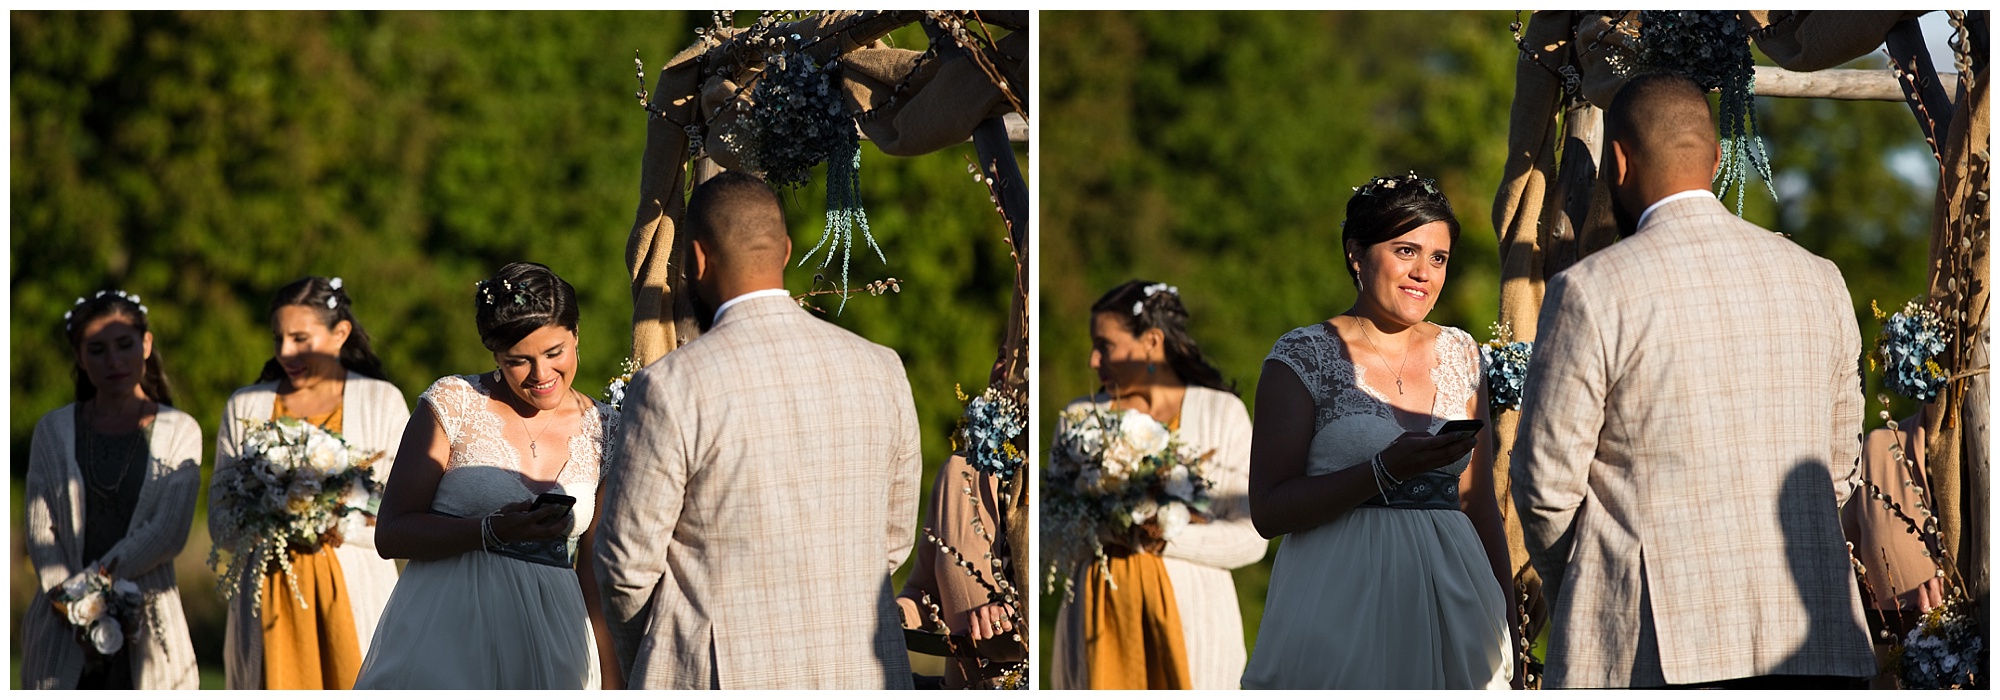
x: 704, y: 312
x: 1626, y: 220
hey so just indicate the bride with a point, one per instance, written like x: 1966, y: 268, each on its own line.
x: 1394, y: 571
x: 492, y: 597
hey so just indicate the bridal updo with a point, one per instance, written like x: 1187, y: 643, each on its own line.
x: 518, y: 300
x: 1391, y: 206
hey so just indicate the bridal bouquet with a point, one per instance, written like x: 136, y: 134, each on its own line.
x: 297, y: 486
x: 1945, y: 650
x: 104, y: 610
x: 1118, y: 478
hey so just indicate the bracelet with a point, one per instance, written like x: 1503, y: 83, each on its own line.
x: 1377, y: 473
x: 1382, y: 471
x: 487, y: 538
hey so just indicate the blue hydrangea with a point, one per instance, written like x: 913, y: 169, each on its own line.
x: 1908, y: 347
x: 992, y: 421
x: 1506, y: 366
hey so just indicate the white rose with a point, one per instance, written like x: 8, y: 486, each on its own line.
x: 1119, y: 459
x: 107, y: 636
x: 1144, y: 511
x: 1174, y: 518
x: 326, y: 453
x: 1178, y: 485
x: 281, y: 459
x: 86, y: 609
x: 1142, y: 434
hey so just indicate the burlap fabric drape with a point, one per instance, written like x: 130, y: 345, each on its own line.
x: 916, y: 108
x: 1547, y: 215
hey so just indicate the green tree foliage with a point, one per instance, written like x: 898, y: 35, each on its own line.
x: 1215, y: 151
x: 204, y: 159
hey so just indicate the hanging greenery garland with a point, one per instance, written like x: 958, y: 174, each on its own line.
x: 1712, y: 48
x: 798, y: 118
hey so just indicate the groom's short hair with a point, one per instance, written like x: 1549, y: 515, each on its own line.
x: 739, y: 220
x: 1664, y: 121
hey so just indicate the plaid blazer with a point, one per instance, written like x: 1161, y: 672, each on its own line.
x: 763, y: 490
x: 1689, y: 431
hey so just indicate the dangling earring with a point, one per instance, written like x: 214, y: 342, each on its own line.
x: 1152, y: 368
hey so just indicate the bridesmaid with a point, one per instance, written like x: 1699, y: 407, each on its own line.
x: 1147, y: 362
x: 324, y: 372
x: 112, y: 483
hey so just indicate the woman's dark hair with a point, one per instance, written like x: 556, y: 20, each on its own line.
x: 1391, y: 206
x: 327, y: 298
x: 520, y: 299
x: 1144, y: 305
x: 153, y: 380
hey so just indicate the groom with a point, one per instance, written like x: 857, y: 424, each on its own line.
x: 1689, y: 432
x: 764, y: 486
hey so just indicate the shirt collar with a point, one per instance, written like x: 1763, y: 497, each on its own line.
x: 740, y: 298
x: 1686, y: 194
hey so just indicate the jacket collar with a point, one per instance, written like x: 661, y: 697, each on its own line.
x: 748, y: 307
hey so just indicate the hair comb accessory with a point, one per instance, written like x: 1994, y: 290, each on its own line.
x: 1139, y: 307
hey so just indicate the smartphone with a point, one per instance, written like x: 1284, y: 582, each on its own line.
x: 566, y: 502
x: 1472, y: 425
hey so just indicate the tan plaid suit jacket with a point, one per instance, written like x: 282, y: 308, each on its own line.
x: 764, y: 489
x: 1689, y: 432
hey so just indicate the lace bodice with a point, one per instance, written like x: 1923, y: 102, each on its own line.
x: 1351, y: 422
x: 484, y: 472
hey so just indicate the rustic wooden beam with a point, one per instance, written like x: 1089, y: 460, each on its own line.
x: 1839, y: 84
x: 1017, y: 128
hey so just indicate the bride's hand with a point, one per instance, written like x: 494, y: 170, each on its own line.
x: 1414, y: 453
x: 524, y: 522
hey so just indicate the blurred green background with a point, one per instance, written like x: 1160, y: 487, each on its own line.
x: 1214, y: 151
x: 204, y: 159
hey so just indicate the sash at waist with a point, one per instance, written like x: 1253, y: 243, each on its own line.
x: 1432, y: 490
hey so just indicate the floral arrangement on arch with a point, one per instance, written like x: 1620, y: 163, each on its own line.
x: 614, y: 391
x: 1117, y: 478
x: 104, y: 611
x: 1908, y: 347
x: 987, y: 431
x: 1505, y: 364
x: 297, y: 487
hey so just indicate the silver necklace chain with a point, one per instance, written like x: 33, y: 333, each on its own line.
x: 1384, y: 356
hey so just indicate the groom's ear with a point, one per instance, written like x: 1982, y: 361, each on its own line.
x: 1618, y: 162
x: 700, y: 258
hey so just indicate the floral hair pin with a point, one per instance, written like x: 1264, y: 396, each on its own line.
x: 1139, y: 307
x: 521, y: 296
x: 333, y: 300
